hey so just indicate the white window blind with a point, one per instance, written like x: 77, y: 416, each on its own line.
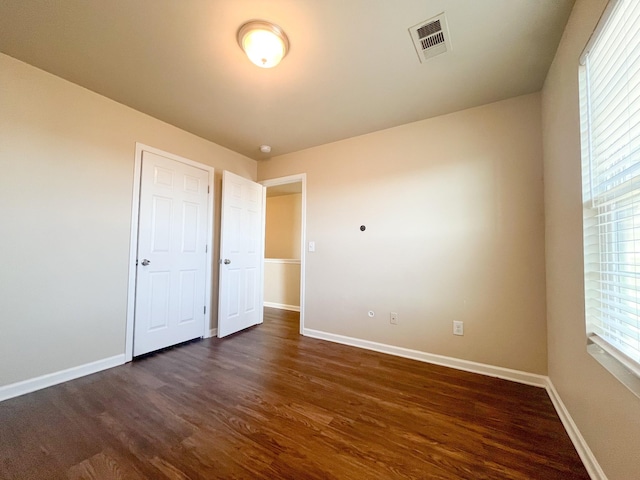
x: 610, y: 114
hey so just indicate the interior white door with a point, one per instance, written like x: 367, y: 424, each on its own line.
x: 172, y: 242
x: 241, y: 254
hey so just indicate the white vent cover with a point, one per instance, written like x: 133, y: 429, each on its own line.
x: 431, y: 37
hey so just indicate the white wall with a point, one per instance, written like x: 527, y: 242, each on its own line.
x: 66, y: 179
x: 453, y: 209
x: 607, y: 414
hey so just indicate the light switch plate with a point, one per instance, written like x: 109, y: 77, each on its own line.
x: 458, y: 327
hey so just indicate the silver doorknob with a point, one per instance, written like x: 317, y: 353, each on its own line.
x: 145, y: 262
x: 227, y: 261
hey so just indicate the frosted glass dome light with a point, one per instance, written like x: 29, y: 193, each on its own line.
x: 264, y: 43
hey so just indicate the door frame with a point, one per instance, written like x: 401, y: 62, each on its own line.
x: 133, y: 241
x: 298, y: 178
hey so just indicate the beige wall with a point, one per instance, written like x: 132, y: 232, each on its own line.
x: 283, y: 224
x: 282, y: 241
x: 66, y: 158
x: 453, y: 209
x: 607, y: 414
x: 282, y: 283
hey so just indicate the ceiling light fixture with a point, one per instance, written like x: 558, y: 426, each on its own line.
x: 264, y: 43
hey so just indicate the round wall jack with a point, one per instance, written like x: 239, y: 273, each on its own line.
x: 265, y: 148
x: 372, y: 313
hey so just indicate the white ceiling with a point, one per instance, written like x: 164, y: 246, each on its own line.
x: 352, y: 68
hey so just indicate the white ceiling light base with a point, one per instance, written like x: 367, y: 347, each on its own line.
x: 264, y: 43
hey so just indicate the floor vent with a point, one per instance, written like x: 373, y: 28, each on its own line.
x: 431, y: 37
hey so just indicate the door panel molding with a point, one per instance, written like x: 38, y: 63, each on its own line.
x: 133, y: 241
x: 241, y: 254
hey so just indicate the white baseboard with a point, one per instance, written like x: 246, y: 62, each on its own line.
x: 466, y: 365
x: 212, y: 333
x: 585, y: 453
x: 282, y: 306
x: 27, y: 386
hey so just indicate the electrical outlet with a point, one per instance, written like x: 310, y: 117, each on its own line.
x: 458, y: 327
x: 393, y: 318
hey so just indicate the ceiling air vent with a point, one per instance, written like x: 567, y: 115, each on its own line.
x: 431, y: 37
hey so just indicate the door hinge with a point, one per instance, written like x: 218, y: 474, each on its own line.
x: 208, y: 189
x: 205, y: 309
x: 206, y: 249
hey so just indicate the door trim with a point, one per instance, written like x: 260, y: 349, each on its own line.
x: 133, y: 242
x: 302, y: 178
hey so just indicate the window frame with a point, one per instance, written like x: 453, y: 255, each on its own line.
x: 611, y: 357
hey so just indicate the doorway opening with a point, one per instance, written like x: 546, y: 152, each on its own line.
x: 284, y: 259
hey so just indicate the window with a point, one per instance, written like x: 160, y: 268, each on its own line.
x: 610, y: 124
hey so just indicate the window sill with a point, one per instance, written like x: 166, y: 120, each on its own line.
x: 612, y: 361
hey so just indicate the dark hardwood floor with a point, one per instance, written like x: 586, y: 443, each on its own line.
x: 267, y: 403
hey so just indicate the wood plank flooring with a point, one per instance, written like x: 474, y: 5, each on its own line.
x: 268, y: 403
